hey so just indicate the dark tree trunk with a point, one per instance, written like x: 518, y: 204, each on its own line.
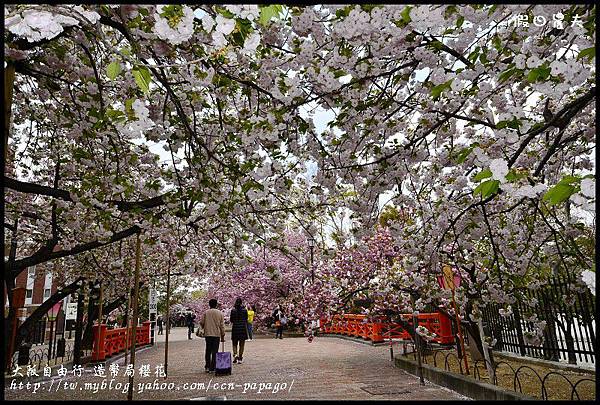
x: 86, y: 340
x: 519, y: 329
x: 550, y: 339
x: 570, y: 343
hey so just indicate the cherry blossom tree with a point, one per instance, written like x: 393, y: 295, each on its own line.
x: 477, y: 121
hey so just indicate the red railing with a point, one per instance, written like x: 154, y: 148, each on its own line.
x: 380, y: 329
x: 108, y: 342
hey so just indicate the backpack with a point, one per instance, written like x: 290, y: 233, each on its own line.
x: 283, y: 320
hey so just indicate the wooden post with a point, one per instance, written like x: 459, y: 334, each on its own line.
x: 100, y: 303
x: 168, y: 319
x: 135, y: 313
x: 127, y: 317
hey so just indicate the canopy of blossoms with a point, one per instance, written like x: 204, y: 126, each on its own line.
x: 478, y: 121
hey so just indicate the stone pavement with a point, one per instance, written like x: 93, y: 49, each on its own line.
x: 291, y: 368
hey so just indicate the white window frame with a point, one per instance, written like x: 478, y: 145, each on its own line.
x: 47, y: 285
x: 30, y: 284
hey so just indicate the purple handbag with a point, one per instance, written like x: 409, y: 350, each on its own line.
x: 223, y: 366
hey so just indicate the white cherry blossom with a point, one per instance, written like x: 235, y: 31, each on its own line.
x: 588, y: 187
x: 181, y: 33
x: 499, y: 169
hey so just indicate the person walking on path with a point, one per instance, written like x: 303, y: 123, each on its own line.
x: 213, y: 324
x: 280, y: 321
x: 189, y: 321
x: 159, y: 322
x: 251, y: 310
x: 239, y: 330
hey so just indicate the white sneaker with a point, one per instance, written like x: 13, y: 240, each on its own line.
x: 240, y: 360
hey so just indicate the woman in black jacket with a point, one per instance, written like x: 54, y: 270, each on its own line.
x: 239, y: 329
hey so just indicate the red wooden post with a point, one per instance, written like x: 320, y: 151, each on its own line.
x: 108, y: 346
x: 122, y: 340
x: 348, y: 325
x: 99, y: 352
x: 145, y: 333
x: 445, y: 329
x: 377, y: 335
x: 366, y: 330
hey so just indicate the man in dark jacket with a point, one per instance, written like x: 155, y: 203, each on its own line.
x: 189, y: 320
x: 159, y: 322
x: 239, y: 330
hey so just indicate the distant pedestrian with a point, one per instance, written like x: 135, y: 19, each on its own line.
x: 213, y: 324
x: 251, y: 311
x: 159, y: 322
x: 189, y: 321
x: 280, y: 321
x: 239, y: 330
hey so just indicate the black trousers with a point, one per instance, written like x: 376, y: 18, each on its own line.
x: 279, y: 332
x: 190, y: 331
x: 212, y: 347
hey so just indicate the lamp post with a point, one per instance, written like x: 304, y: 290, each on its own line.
x: 448, y: 280
x: 311, y: 246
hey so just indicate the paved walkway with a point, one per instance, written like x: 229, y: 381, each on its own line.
x: 291, y: 368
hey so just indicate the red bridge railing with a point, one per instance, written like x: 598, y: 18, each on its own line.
x: 380, y: 329
x: 108, y: 342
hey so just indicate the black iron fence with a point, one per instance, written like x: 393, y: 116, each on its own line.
x: 567, y: 307
x: 545, y: 383
x: 45, y: 345
x: 38, y: 333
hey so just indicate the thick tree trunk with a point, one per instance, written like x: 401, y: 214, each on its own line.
x: 550, y: 339
x: 519, y: 329
x: 86, y: 340
x: 469, y: 327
